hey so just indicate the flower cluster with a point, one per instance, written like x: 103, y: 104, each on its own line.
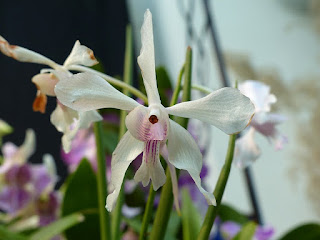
x: 149, y: 128
x: 66, y: 120
x: 28, y: 189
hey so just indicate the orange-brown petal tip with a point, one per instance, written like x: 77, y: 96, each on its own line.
x: 40, y: 103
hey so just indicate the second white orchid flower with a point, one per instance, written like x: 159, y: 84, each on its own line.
x: 149, y: 128
x: 263, y: 122
x: 66, y: 120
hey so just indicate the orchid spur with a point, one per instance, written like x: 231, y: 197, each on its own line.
x: 149, y: 128
x: 65, y: 120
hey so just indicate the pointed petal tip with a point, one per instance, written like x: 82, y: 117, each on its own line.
x: 109, y: 203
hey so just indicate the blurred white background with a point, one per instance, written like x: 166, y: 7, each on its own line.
x: 277, y: 42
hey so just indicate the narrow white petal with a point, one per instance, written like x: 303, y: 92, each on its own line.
x: 146, y: 59
x: 22, y: 54
x: 185, y: 154
x: 174, y: 179
x: 246, y: 150
x: 86, y: 91
x: 45, y: 82
x: 22, y: 153
x: 127, y: 150
x: 226, y: 108
x: 259, y: 94
x: 81, y: 55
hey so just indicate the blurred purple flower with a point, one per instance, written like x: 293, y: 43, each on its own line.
x: 83, y: 145
x: 12, y: 199
x: 28, y: 186
x: 230, y: 229
x: 47, y: 208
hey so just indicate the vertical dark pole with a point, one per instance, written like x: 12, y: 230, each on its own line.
x: 224, y: 78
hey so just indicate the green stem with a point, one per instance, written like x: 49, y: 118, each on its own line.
x: 127, y: 78
x: 147, y: 214
x: 218, y: 191
x: 111, y: 80
x: 166, y: 199
x: 201, y: 88
x: 102, y: 184
x: 148, y: 210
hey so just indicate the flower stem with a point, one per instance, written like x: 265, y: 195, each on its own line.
x: 148, y: 210
x: 147, y: 214
x: 166, y: 199
x: 218, y: 191
x: 111, y: 80
x: 105, y: 233
x: 127, y: 78
x: 201, y: 88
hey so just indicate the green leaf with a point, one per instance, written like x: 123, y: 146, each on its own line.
x: 246, y: 232
x: 173, y: 227
x: 227, y: 213
x: 57, y: 227
x: 81, y: 196
x: 190, y: 217
x: 6, y: 234
x: 309, y: 231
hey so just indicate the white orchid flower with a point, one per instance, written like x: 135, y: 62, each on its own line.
x: 149, y: 128
x: 65, y: 120
x: 264, y: 122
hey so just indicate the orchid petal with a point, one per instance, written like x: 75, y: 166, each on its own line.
x: 246, y: 150
x: 266, y: 125
x: 12, y: 199
x: 185, y: 154
x: 174, y: 179
x: 259, y: 94
x: 226, y: 108
x: 84, y: 121
x: 86, y: 91
x: 45, y: 82
x: 40, y: 102
x: 146, y: 60
x: 27, y: 148
x: 126, y: 151
x: 62, y: 117
x: 22, y: 54
x: 148, y: 123
x: 151, y: 167
x: 82, y: 55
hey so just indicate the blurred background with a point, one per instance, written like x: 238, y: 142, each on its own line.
x: 277, y: 42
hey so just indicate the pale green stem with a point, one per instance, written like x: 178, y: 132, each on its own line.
x: 201, y: 88
x: 105, y: 233
x: 127, y: 78
x: 111, y: 80
x: 218, y: 191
